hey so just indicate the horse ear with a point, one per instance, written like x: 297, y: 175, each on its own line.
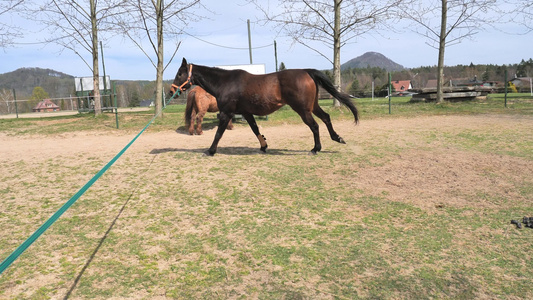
x: 184, y: 62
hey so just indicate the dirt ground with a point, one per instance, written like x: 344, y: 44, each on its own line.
x: 408, y: 174
x: 426, y: 179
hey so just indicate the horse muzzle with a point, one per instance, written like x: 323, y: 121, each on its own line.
x: 173, y: 89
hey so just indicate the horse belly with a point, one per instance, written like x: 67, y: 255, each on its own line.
x: 260, y: 105
x: 212, y: 107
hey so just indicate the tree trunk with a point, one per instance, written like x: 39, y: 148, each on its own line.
x: 337, y: 50
x: 159, y: 76
x: 442, y: 46
x: 96, y: 74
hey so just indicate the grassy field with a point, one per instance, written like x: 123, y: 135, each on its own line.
x: 417, y: 205
x: 369, y: 109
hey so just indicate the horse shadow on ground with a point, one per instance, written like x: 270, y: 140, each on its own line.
x: 230, y: 150
x: 239, y: 151
x: 207, y: 124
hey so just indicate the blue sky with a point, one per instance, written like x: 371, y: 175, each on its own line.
x: 228, y: 28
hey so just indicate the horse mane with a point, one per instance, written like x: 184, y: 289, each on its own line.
x: 209, y: 79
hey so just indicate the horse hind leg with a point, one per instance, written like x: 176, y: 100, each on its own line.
x: 262, y: 140
x: 199, y: 120
x: 324, y: 116
x: 192, y: 121
x: 313, y: 125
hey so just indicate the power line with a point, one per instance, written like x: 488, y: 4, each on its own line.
x: 227, y: 47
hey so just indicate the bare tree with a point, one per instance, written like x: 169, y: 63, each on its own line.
x: 448, y: 22
x: 333, y: 23
x: 144, y: 20
x: 6, y: 101
x: 76, y: 25
x: 8, y: 31
x: 522, y: 13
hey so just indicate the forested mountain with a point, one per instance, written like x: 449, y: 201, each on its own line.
x: 372, y: 60
x: 60, y: 85
x: 24, y: 80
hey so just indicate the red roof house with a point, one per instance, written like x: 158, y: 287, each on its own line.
x: 401, y: 85
x: 46, y: 105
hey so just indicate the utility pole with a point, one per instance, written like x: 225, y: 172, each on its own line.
x: 276, y: 54
x: 250, y: 42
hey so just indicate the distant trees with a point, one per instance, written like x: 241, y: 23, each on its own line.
x: 135, y: 100
x: 358, y: 82
x: 525, y: 68
x: 61, y: 85
x: 39, y: 94
x: 354, y: 87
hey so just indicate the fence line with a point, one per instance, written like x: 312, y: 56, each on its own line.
x: 70, y: 103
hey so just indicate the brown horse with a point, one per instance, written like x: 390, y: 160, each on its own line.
x: 199, y: 102
x: 238, y: 91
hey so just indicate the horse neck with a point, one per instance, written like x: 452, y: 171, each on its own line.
x: 210, y: 79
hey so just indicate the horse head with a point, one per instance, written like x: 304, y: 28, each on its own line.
x: 182, y: 81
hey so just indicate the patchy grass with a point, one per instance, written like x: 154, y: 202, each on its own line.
x: 412, y: 207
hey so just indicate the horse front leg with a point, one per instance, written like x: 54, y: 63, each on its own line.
x: 224, y: 119
x: 251, y: 121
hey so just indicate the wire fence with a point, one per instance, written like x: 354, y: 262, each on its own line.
x: 10, y: 105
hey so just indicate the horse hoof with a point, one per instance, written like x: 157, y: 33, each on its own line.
x: 264, y: 149
x: 341, y: 140
x: 207, y: 153
x: 312, y: 152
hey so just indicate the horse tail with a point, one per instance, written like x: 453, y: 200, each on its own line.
x: 322, y: 80
x: 189, y: 107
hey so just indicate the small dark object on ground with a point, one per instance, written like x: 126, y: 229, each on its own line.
x: 517, y: 223
x: 528, y: 221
